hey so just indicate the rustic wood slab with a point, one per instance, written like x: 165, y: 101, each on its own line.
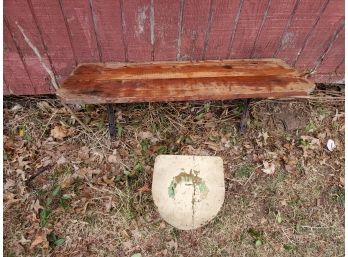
x: 180, y: 81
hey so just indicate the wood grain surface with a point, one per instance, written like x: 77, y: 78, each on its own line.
x: 181, y: 81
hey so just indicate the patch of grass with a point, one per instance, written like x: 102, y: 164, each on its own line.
x: 299, y: 167
x: 323, y: 112
x: 257, y: 236
x: 240, y: 108
x: 244, y: 171
x: 47, y: 210
x: 5, y: 157
x: 310, y: 127
x: 145, y: 144
x: 54, y: 240
x: 295, y: 201
x: 60, y: 170
x: 91, y: 219
x: 290, y: 248
x: 77, y: 184
x: 337, y: 194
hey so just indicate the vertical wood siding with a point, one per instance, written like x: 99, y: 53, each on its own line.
x: 59, y: 34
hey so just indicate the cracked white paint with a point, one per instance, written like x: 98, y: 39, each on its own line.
x: 38, y: 55
x: 188, y: 190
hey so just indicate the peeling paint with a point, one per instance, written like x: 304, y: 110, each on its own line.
x: 141, y: 18
x: 287, y: 40
x: 189, y: 179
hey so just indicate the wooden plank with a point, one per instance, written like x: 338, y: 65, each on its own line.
x: 250, y: 22
x: 108, y: 24
x: 18, y: 13
x: 224, y: 17
x: 323, y: 34
x: 50, y: 21
x: 137, y: 29
x: 15, y: 73
x: 166, y: 26
x: 80, y: 25
x: 275, y: 23
x: 306, y: 16
x: 181, y: 81
x: 183, y: 69
x: 194, y: 31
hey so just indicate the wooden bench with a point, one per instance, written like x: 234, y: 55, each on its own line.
x: 106, y: 83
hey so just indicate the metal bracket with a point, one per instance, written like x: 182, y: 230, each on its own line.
x: 245, y: 116
x: 112, y: 121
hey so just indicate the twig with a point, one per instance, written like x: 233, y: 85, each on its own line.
x: 39, y: 171
x: 49, y: 121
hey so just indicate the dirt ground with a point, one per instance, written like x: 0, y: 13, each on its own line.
x: 70, y: 192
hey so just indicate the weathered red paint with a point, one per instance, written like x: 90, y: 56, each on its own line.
x: 15, y: 74
x: 248, y: 26
x: 194, y: 29
x: 50, y: 22
x: 301, y: 25
x: 17, y: 13
x: 166, y: 28
x: 330, y: 21
x: 79, y: 22
x: 137, y: 31
x: 223, y: 21
x: 108, y: 25
x: 333, y: 59
x: 273, y: 28
x: 66, y: 33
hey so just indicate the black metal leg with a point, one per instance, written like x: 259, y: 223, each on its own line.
x: 112, y: 121
x: 245, y: 115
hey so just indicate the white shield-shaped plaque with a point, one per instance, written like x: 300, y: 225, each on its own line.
x: 188, y: 190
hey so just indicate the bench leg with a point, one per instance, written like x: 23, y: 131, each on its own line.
x: 112, y: 121
x: 245, y: 115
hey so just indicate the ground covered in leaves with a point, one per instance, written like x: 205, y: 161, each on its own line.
x: 72, y: 192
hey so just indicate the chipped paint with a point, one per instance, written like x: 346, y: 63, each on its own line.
x: 141, y: 18
x: 287, y: 40
x: 189, y: 179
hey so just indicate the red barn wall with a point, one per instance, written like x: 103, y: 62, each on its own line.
x: 56, y: 35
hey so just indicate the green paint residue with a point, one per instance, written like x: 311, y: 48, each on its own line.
x: 189, y: 179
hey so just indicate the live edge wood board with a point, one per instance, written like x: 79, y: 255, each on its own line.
x: 101, y: 83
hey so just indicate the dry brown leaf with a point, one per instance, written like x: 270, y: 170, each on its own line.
x: 9, y: 184
x: 114, y: 157
x: 212, y: 146
x: 60, y: 132
x: 108, y: 204
x: 86, y: 172
x: 83, y: 153
x: 35, y: 205
x: 268, y: 168
x: 39, y: 238
x: 61, y: 160
x: 148, y: 135
x: 144, y: 189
